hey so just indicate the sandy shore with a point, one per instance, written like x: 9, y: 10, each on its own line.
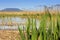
x: 9, y: 34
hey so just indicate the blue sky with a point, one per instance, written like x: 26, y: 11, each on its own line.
x: 26, y: 4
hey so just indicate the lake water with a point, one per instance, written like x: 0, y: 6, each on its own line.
x: 14, y: 20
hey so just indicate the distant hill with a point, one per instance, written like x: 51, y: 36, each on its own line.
x: 11, y: 9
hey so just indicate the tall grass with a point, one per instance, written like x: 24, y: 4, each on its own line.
x: 58, y: 25
x: 34, y: 29
x: 49, y: 28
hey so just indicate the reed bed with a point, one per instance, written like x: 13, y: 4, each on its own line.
x: 49, y: 28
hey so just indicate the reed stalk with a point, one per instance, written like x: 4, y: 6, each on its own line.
x: 34, y: 29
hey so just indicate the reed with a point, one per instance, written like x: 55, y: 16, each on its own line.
x: 34, y: 29
x: 58, y: 25
x: 49, y: 28
x: 21, y: 34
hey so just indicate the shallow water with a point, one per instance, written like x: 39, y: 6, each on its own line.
x: 16, y: 20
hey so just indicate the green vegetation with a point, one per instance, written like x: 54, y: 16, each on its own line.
x: 49, y: 28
